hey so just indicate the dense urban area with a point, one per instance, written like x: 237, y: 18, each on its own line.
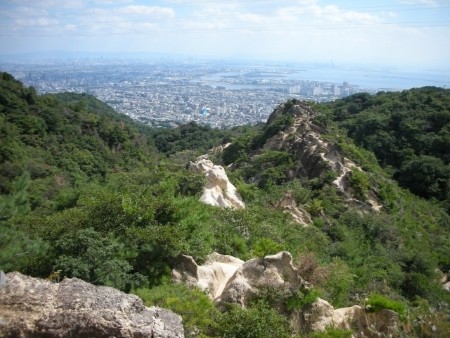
x: 170, y: 93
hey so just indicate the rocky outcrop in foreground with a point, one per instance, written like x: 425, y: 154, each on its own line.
x: 32, y: 307
x: 218, y: 191
x: 230, y: 280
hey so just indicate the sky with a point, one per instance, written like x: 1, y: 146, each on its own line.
x: 398, y: 33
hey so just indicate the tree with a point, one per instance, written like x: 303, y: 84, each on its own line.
x: 426, y: 176
x: 265, y: 246
x: 95, y: 258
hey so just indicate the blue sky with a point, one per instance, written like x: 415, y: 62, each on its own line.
x: 400, y: 33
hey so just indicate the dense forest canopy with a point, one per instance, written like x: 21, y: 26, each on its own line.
x: 88, y: 193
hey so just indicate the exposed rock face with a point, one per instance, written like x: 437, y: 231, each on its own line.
x: 211, y: 277
x: 446, y: 286
x: 31, y: 307
x: 218, y: 190
x: 320, y: 315
x: 314, y: 155
x: 288, y: 205
x: 229, y: 279
x: 445, y: 281
x: 276, y: 271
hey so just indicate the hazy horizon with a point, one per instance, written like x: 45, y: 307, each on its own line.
x: 411, y: 34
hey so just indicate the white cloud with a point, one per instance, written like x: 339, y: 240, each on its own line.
x: 160, y: 12
x: 71, y: 28
x: 430, y: 3
x: 40, y: 22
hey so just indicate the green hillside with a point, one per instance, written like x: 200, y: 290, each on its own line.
x: 88, y: 193
x: 409, y: 132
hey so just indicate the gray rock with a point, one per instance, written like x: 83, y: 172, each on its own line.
x: 32, y: 307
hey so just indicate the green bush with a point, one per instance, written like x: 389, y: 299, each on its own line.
x: 265, y: 246
x: 377, y: 302
x: 359, y: 182
x: 301, y: 298
x: 332, y: 332
x: 255, y: 322
x: 193, y: 305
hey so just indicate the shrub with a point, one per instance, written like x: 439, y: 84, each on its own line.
x: 377, y: 302
x: 301, y: 298
x: 359, y: 182
x: 332, y: 332
x: 193, y: 305
x: 265, y: 246
x: 255, y: 322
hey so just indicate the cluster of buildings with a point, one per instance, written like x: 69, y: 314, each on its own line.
x: 178, y: 93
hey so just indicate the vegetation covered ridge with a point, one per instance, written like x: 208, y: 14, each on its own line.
x: 408, y: 131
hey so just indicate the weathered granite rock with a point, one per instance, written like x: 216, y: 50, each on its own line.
x: 32, y: 307
x: 218, y: 191
x: 211, y: 277
x: 299, y: 215
x: 320, y: 315
x: 275, y: 271
x: 229, y: 279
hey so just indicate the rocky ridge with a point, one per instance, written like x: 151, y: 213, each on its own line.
x: 313, y: 154
x: 32, y: 307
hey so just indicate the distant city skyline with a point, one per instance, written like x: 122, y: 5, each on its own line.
x: 403, y: 33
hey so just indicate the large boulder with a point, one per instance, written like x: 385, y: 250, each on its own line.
x: 230, y: 280
x: 275, y: 271
x: 218, y: 191
x: 32, y: 307
x: 211, y: 277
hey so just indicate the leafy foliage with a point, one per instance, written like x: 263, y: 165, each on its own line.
x: 378, y: 302
x: 408, y: 131
x: 254, y: 322
x: 195, y: 307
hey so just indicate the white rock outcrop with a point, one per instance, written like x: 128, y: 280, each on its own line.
x: 218, y: 191
x: 320, y: 315
x: 229, y: 279
x: 211, y: 277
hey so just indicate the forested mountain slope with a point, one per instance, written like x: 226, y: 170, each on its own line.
x: 86, y: 193
x: 61, y: 141
x: 409, y: 132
